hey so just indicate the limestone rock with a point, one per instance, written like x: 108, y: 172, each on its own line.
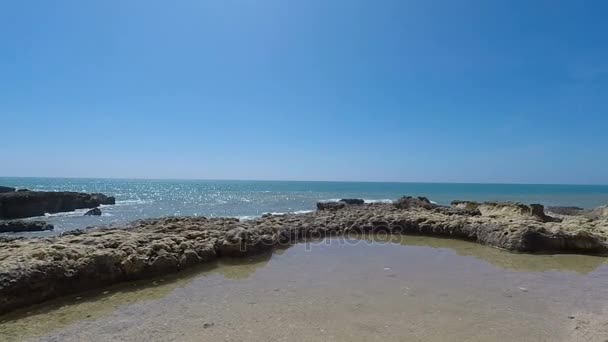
x: 507, y: 210
x: 33, y: 270
x: 409, y: 202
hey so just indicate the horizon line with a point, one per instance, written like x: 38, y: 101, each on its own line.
x: 295, y: 180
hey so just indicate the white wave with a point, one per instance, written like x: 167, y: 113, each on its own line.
x: 330, y: 200
x: 384, y: 200
x: 365, y: 200
x: 253, y: 217
x: 433, y: 202
x: 77, y: 212
x: 131, y: 202
x: 248, y: 217
x: 302, y: 211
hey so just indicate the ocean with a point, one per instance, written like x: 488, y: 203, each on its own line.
x: 139, y: 198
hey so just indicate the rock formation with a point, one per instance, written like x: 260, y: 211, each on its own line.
x: 408, y: 202
x: 37, y: 203
x: 33, y: 270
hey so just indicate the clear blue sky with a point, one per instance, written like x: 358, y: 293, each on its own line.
x: 465, y: 91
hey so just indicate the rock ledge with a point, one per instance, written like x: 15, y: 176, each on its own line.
x: 36, y: 269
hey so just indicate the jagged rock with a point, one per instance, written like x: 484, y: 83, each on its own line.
x: 93, y: 212
x: 352, y: 201
x: 506, y: 210
x: 37, y: 203
x: 24, y: 226
x: 5, y: 189
x: 409, y: 202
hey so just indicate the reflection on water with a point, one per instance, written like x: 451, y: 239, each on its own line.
x: 322, y: 264
x: 519, y: 262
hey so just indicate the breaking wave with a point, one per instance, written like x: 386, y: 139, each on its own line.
x: 365, y: 200
x: 77, y: 212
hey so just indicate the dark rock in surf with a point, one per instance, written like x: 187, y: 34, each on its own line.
x: 24, y: 226
x: 36, y: 203
x: 93, y: 212
x: 352, y: 201
x: 330, y: 205
x: 5, y: 189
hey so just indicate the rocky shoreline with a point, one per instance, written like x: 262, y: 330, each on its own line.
x: 36, y: 269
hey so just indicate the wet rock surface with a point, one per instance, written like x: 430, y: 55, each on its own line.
x: 36, y: 269
x: 22, y: 204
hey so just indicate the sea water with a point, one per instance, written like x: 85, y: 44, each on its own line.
x: 139, y: 198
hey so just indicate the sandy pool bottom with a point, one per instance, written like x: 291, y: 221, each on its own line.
x: 404, y: 289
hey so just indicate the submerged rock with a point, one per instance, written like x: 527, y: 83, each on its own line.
x: 34, y: 270
x: 93, y: 212
x: 37, y: 203
x: 24, y: 226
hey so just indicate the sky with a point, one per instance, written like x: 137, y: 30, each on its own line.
x: 391, y: 90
